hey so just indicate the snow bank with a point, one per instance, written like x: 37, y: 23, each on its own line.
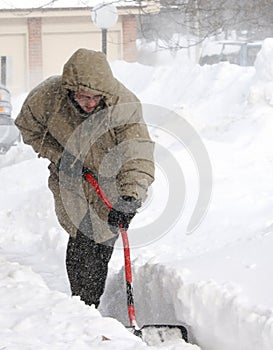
x: 262, y: 89
x: 217, y: 316
x: 32, y: 316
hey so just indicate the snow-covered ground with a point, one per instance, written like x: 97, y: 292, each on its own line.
x: 216, y: 279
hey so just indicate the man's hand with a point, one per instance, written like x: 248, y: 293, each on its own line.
x: 71, y: 166
x: 122, y: 213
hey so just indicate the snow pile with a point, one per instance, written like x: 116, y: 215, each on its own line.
x: 44, y: 319
x: 262, y: 90
x: 216, y: 280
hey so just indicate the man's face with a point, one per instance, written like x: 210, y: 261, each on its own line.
x: 87, y: 101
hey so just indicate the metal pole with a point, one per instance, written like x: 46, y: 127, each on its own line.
x: 104, y: 40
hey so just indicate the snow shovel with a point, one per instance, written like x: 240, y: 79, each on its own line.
x: 150, y: 334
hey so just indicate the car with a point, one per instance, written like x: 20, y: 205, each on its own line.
x: 9, y: 133
x: 238, y: 52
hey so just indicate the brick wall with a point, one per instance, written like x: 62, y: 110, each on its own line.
x: 129, y: 29
x: 35, y: 51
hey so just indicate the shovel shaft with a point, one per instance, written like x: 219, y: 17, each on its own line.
x: 91, y: 179
x: 128, y: 277
x: 126, y: 248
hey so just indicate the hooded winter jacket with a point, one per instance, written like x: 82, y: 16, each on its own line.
x: 113, y: 141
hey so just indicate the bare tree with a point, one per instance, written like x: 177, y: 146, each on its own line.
x: 205, y: 18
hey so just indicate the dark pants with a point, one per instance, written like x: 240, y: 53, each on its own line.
x: 87, y: 266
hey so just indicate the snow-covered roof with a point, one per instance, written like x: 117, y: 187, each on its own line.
x: 37, y: 4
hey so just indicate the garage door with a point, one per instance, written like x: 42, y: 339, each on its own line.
x: 13, y: 47
x: 58, y: 47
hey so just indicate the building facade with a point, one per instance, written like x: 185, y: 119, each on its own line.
x: 35, y: 44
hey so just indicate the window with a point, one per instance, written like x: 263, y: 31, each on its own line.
x: 5, y: 70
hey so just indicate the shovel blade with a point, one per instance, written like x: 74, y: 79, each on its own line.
x: 158, y: 333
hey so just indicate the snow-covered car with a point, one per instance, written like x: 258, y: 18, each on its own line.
x: 233, y: 51
x: 9, y: 133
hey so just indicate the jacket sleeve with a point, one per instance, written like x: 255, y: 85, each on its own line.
x: 35, y: 133
x: 136, y: 156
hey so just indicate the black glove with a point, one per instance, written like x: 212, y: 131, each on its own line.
x: 71, y: 166
x: 123, y: 212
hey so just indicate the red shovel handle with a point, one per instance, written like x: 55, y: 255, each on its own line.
x: 91, y: 179
x: 128, y: 270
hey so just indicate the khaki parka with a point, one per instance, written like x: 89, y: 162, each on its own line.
x: 113, y: 141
